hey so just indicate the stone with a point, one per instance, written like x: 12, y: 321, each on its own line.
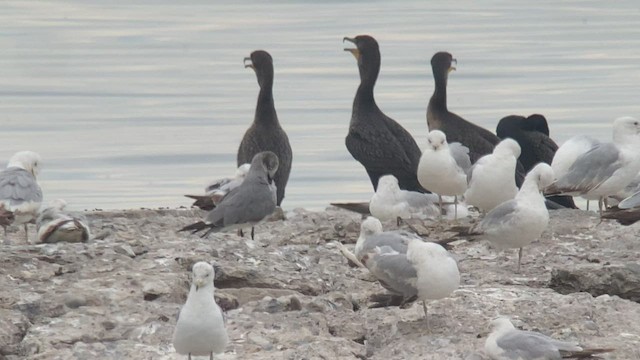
x: 621, y: 280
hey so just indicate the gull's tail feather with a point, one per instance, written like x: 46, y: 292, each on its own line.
x: 6, y: 216
x: 197, y: 227
x: 389, y: 299
x: 624, y: 217
x: 357, y: 207
x: 204, y: 202
x: 585, y: 354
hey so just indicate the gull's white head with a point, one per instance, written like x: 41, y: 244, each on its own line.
x: 507, y: 146
x: 437, y: 140
x: 59, y: 204
x: 626, y: 127
x: 202, y: 275
x: 370, y: 226
x: 27, y: 160
x: 501, y: 323
x: 543, y: 175
x: 388, y: 184
x: 242, y: 171
x: 424, y: 251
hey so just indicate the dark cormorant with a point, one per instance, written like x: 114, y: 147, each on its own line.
x: 378, y: 142
x: 532, y: 134
x: 480, y: 141
x: 266, y: 134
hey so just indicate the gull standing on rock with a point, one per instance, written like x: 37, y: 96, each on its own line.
x: 518, y: 222
x: 375, y: 140
x: 389, y: 202
x: 443, y: 167
x: 491, y: 180
x: 200, y: 329
x: 217, y: 190
x: 437, y: 271
x: 248, y: 204
x: 505, y: 342
x: 54, y: 224
x: 266, y: 134
x: 20, y: 194
x: 606, y: 168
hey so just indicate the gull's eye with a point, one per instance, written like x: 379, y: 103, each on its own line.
x: 635, y: 123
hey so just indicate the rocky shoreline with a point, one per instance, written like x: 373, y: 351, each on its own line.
x: 290, y: 294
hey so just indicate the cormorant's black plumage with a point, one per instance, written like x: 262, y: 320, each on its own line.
x: 266, y: 134
x: 378, y: 142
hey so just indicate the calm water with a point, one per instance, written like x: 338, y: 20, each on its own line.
x: 135, y: 105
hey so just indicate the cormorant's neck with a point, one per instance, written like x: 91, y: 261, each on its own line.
x: 265, y: 109
x: 368, y: 77
x: 439, y: 97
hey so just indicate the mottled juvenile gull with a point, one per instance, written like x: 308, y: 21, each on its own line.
x: 443, y: 167
x: 249, y: 203
x: 200, y: 329
x: 265, y: 133
x: 54, y: 224
x: 505, y: 342
x: 532, y: 134
x: 491, y: 180
x: 389, y: 202
x: 518, y: 222
x: 606, y: 168
x: 20, y: 193
x: 217, y: 190
x: 437, y: 271
x: 378, y: 142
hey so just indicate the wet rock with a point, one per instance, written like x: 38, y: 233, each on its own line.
x: 620, y: 280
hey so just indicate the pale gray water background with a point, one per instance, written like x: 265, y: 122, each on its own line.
x: 134, y: 105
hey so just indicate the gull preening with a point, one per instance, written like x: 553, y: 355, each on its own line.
x: 443, y: 168
x: 218, y: 189
x: 200, y: 329
x: 20, y: 194
x: 505, y: 342
x: 518, y: 222
x: 248, y: 204
x: 606, y: 168
x: 55, y: 224
x: 492, y: 177
x: 389, y: 202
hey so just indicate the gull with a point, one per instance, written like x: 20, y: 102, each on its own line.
x: 389, y: 202
x: 437, y: 272
x: 54, y: 224
x: 443, y: 167
x: 200, y: 329
x: 218, y: 189
x: 20, y: 193
x: 606, y: 168
x: 505, y: 342
x: 518, y: 222
x: 491, y: 179
x: 248, y: 204
x: 567, y: 154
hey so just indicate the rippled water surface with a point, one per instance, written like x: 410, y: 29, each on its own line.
x: 135, y: 105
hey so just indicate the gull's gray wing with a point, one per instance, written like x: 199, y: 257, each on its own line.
x: 396, y: 240
x: 218, y: 185
x: 18, y: 186
x: 394, y: 272
x: 591, y: 169
x: 630, y: 202
x: 518, y: 344
x: 499, y: 216
x: 248, y: 203
x: 460, y: 154
x: 418, y: 200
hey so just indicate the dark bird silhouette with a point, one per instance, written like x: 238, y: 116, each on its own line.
x: 378, y: 142
x: 532, y: 134
x: 480, y: 141
x: 266, y: 134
